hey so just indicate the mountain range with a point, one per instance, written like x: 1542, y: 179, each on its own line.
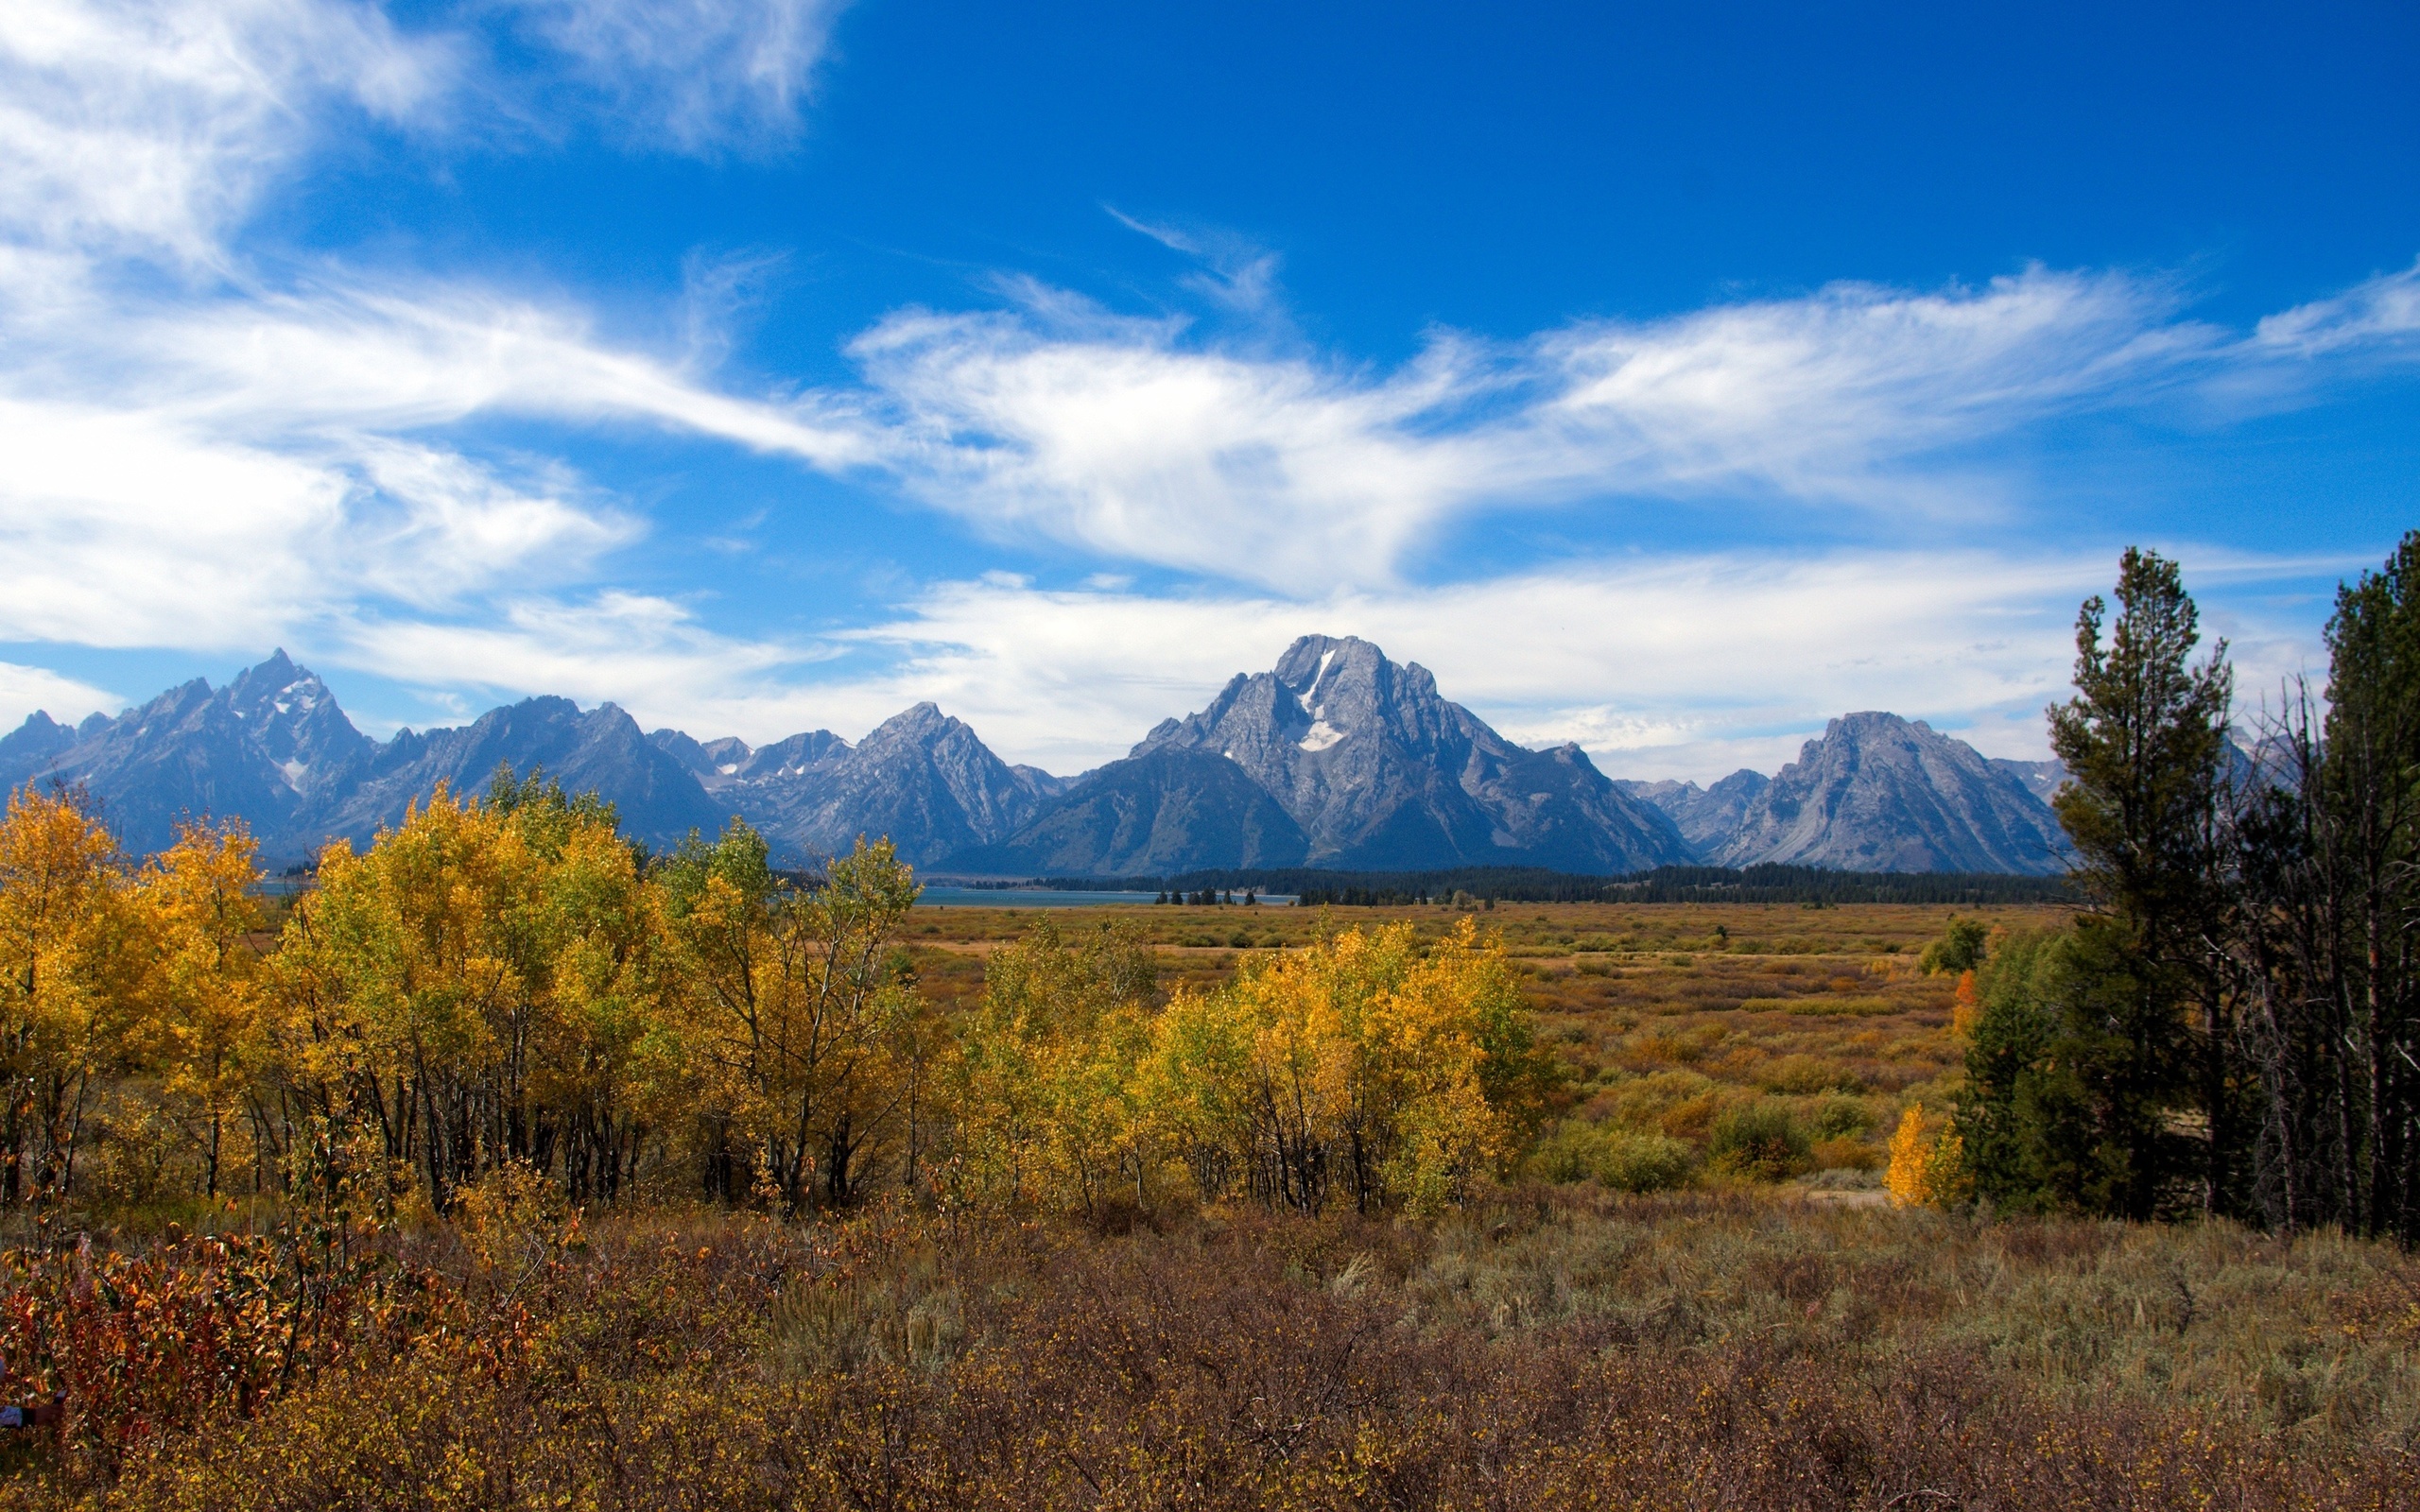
x: 1338, y: 757
x: 1878, y: 793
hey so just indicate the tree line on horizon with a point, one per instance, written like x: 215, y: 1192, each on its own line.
x: 1764, y: 883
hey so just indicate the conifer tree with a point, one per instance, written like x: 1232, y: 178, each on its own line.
x: 2082, y: 1074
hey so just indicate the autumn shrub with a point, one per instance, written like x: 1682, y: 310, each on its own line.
x: 203, y: 1327
x: 1844, y: 1153
x: 1552, y: 1346
x: 1836, y: 1117
x: 1758, y: 1139
x: 1960, y: 947
x: 1621, y: 1160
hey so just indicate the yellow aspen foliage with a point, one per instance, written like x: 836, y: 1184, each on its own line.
x: 1050, y: 1105
x: 806, y: 1027
x: 1361, y: 1067
x: 484, y: 986
x: 1928, y: 1168
x: 200, y: 1033
x: 71, y: 964
x: 501, y: 992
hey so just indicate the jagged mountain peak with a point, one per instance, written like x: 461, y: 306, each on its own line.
x: 32, y: 746
x: 274, y: 673
x: 1879, y: 793
x: 296, y: 722
x: 1707, y: 817
x: 1315, y: 664
x: 601, y: 749
x: 793, y: 755
x: 40, y: 726
x: 1377, y: 770
x: 263, y: 748
x: 919, y: 722
x: 922, y: 776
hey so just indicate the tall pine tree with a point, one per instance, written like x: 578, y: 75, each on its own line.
x: 2105, y: 1081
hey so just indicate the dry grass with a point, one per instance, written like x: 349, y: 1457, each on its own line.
x: 1556, y: 1349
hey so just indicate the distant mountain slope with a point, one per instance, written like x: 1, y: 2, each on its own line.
x: 1878, y: 793
x: 1706, y: 817
x: 2041, y: 778
x: 274, y: 750
x: 34, y: 747
x: 601, y: 750
x: 1164, y: 811
x: 1379, y: 771
x: 923, y: 778
x: 712, y: 763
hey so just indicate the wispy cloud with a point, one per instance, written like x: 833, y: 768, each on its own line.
x: 645, y: 652
x: 150, y: 128
x: 1127, y: 437
x: 134, y: 527
x: 2381, y: 313
x: 691, y: 75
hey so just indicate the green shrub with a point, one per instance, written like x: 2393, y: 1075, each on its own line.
x: 1959, y: 948
x: 1759, y: 1140
x: 1643, y: 1162
x: 1620, y: 1159
x: 1842, y: 1116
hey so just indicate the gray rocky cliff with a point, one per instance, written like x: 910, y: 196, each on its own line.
x: 1706, y: 817
x: 266, y: 748
x: 923, y: 778
x: 599, y: 750
x: 1878, y: 793
x: 1380, y: 771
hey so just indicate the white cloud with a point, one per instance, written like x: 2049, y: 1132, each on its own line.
x: 120, y: 529
x: 1816, y: 397
x: 1119, y: 436
x: 134, y: 526
x: 395, y: 359
x: 1685, y: 667
x: 2379, y: 312
x: 151, y: 127
x: 24, y: 689
x: 696, y: 74
x: 644, y: 652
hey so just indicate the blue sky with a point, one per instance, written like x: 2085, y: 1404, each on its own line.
x: 1666, y: 378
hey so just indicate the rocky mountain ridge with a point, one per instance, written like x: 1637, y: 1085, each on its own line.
x: 1337, y: 757
x: 1878, y: 793
x: 1380, y: 772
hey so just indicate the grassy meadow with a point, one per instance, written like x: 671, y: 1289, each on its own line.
x: 1665, y: 1018
x: 1692, y: 1294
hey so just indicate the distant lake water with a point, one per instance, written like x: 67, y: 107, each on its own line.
x: 1043, y: 898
